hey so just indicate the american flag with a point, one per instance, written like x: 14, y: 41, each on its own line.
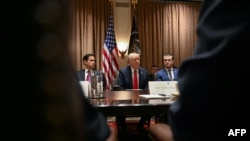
x: 110, y: 54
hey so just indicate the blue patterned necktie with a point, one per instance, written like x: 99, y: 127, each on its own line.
x: 170, y: 75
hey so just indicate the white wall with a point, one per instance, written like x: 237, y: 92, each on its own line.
x: 122, y: 25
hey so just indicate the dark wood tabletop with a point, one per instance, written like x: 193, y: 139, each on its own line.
x: 129, y: 102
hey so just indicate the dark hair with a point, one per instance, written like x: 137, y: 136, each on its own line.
x: 154, y: 66
x: 86, y: 56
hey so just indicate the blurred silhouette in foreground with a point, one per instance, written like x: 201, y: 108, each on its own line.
x: 41, y: 98
x: 213, y: 93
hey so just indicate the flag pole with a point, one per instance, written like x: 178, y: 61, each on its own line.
x: 134, y: 43
x: 134, y: 2
x: 111, y: 4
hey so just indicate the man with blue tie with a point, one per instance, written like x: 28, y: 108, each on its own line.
x: 169, y: 72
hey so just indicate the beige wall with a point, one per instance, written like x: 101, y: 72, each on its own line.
x: 122, y: 25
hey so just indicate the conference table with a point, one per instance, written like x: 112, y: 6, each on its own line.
x: 130, y: 102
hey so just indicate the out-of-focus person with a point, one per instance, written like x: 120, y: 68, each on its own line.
x: 152, y: 75
x: 42, y: 99
x: 213, y: 102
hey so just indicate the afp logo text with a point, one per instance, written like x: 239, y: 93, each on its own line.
x: 237, y: 132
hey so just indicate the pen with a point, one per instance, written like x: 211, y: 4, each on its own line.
x: 162, y: 94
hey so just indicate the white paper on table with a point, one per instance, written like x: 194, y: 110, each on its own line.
x: 153, y: 96
x: 160, y: 101
x: 85, y: 87
x: 162, y: 87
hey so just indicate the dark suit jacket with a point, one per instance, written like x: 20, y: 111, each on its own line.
x: 213, y: 94
x: 81, y: 77
x: 125, y: 78
x: 151, y: 77
x: 162, y: 75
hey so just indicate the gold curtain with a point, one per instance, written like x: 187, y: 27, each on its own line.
x: 164, y: 27
x: 89, y: 22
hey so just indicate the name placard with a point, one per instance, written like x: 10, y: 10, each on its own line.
x: 163, y: 87
x: 85, y: 87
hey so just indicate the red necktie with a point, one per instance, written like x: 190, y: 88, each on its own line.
x: 88, y: 76
x: 135, y: 82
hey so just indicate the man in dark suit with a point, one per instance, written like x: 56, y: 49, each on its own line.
x: 169, y: 72
x: 126, y: 74
x: 133, y: 77
x: 151, y: 76
x: 89, y: 67
x: 214, y: 97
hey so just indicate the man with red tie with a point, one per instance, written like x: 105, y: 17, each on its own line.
x: 133, y: 77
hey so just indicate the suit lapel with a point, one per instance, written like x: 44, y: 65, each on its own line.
x: 130, y: 76
x: 83, y: 74
x: 166, y: 74
x: 175, y: 73
x: 141, y: 77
